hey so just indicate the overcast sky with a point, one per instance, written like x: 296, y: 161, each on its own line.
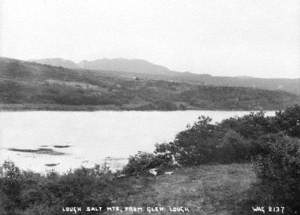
x: 221, y: 37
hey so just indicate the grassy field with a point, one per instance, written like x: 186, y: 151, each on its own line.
x: 208, y: 189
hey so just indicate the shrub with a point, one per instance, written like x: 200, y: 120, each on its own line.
x: 227, y: 142
x: 23, y: 193
x: 278, y: 169
x: 197, y: 144
x: 142, y: 162
x: 288, y: 121
x: 10, y: 187
x: 234, y: 148
x: 251, y: 126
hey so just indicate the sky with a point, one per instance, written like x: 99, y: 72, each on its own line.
x: 259, y: 38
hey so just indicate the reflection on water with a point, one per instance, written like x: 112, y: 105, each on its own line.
x: 34, y: 139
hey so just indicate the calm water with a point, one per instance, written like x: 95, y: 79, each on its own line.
x: 91, y: 137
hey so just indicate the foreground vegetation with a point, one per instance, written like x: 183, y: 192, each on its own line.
x: 212, y: 173
x: 209, y: 189
x: 271, y: 144
x: 32, y: 86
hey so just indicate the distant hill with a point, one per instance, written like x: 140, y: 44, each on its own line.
x: 288, y: 85
x: 147, y: 70
x: 117, y: 64
x: 57, y: 62
x: 126, y: 65
x: 28, y: 85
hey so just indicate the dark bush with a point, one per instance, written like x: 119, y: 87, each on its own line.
x: 278, y: 170
x: 251, y: 126
x: 227, y: 142
x: 234, y: 148
x: 197, y: 144
x: 288, y: 121
x: 10, y: 187
x: 30, y: 193
x: 142, y: 162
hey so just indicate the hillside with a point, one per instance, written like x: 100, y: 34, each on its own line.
x: 27, y: 85
x: 58, y: 62
x: 152, y: 71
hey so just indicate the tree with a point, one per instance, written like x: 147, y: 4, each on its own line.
x: 289, y: 121
x: 197, y: 144
x: 10, y: 187
x: 277, y: 166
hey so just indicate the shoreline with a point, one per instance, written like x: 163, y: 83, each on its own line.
x: 95, y: 108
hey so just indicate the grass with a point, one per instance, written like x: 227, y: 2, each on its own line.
x: 208, y: 189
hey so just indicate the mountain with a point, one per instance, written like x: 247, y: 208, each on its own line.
x: 29, y: 85
x: 126, y: 65
x: 117, y: 64
x: 146, y: 70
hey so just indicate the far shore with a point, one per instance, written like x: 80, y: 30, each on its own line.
x: 90, y: 108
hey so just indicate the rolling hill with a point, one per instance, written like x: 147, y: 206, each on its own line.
x: 147, y: 70
x: 29, y: 85
x: 57, y: 62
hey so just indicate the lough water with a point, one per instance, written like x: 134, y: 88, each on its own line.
x: 87, y: 138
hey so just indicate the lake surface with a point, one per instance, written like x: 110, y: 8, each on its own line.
x: 42, y: 141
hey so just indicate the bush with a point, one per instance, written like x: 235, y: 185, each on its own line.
x: 288, y: 121
x: 10, y: 187
x: 232, y: 140
x: 23, y: 193
x: 278, y: 170
x: 196, y: 145
x: 234, y: 148
x: 227, y: 142
x: 251, y: 126
x: 142, y: 162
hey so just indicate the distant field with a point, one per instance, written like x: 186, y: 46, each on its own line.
x: 208, y: 189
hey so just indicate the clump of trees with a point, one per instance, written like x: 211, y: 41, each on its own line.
x: 233, y: 140
x: 142, y: 162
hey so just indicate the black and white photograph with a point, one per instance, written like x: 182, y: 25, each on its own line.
x: 157, y: 107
